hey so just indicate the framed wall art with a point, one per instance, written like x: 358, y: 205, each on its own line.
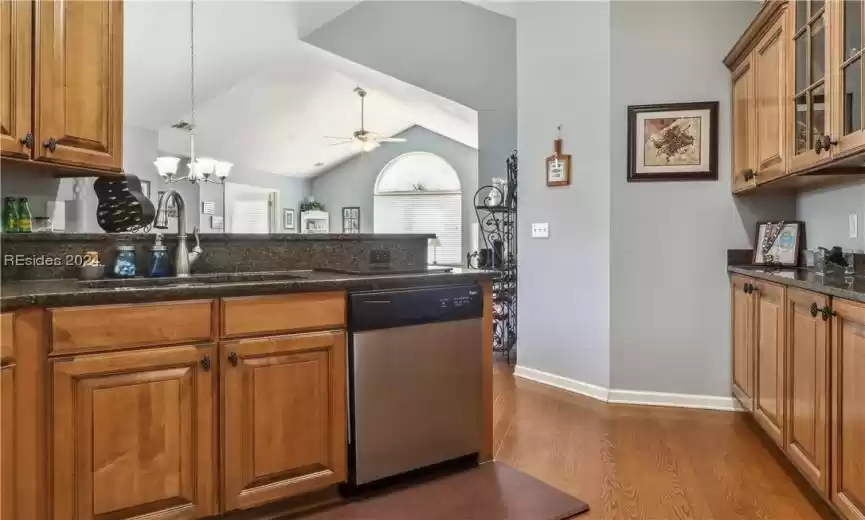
x: 673, y: 142
x: 558, y: 165
x: 288, y: 221
x: 778, y: 243
x: 351, y: 220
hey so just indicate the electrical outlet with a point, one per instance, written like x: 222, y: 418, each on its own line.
x: 379, y: 256
x: 541, y: 230
x: 853, y: 225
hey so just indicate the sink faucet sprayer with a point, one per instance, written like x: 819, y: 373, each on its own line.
x: 183, y: 258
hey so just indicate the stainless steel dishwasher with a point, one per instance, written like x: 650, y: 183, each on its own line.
x: 415, y: 379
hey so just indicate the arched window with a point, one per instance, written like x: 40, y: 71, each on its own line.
x: 419, y: 192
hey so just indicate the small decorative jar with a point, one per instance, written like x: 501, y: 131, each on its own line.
x: 124, y: 264
x: 158, y: 265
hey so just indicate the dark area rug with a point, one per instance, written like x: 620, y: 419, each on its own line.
x: 492, y: 491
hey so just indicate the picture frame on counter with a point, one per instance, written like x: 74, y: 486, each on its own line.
x: 288, y: 219
x: 778, y: 243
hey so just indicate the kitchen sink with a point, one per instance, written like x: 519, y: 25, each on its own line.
x: 198, y: 279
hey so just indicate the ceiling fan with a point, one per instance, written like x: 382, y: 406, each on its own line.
x: 365, y: 140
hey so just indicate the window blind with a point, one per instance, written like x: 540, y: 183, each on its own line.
x: 439, y: 213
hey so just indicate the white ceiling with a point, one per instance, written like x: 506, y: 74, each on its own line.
x: 264, y: 99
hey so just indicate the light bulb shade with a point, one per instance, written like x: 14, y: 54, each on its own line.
x: 222, y: 168
x: 369, y: 146
x: 166, y: 165
x: 435, y: 242
x: 206, y: 166
x: 195, y: 173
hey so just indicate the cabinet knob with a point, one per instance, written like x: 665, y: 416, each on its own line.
x: 232, y: 358
x: 51, y: 144
x: 827, y: 313
x: 813, y: 309
x: 27, y: 140
x: 823, y: 143
x: 205, y: 363
x: 745, y: 288
x: 749, y: 174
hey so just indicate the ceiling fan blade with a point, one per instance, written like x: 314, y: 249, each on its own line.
x: 342, y: 138
x: 347, y: 141
x: 392, y: 140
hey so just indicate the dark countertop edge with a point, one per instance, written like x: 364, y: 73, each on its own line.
x: 156, y: 294
x: 808, y: 285
x: 209, y: 237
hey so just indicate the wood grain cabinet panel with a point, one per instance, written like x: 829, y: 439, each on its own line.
x: 134, y: 435
x: 770, y: 82
x: 16, y: 58
x: 79, y: 97
x: 83, y: 329
x: 7, y: 336
x: 848, y: 409
x: 769, y: 348
x: 743, y: 127
x: 743, y: 345
x: 284, y: 416
x: 807, y: 408
x: 7, y: 443
x: 261, y: 315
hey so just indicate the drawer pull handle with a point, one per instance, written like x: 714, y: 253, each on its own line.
x: 232, y: 358
x: 814, y: 310
x: 205, y: 363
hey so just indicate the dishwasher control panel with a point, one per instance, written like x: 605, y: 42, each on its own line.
x: 395, y: 308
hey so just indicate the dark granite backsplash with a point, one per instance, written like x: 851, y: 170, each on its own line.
x: 222, y: 252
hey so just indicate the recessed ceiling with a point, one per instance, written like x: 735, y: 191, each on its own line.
x: 264, y: 99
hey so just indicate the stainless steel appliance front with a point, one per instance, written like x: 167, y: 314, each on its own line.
x: 417, y: 396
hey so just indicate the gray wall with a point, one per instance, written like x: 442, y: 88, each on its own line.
x: 670, y: 329
x: 564, y: 280
x: 352, y: 183
x: 826, y: 213
x: 457, y: 50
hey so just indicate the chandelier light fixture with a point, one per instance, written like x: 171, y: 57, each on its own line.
x: 201, y: 169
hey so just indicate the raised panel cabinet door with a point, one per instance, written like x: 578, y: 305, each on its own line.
x: 770, y: 349
x: 770, y: 80
x: 7, y: 443
x: 847, y: 64
x: 134, y: 435
x: 848, y: 409
x: 742, y: 315
x: 79, y: 96
x: 284, y: 416
x: 16, y: 31
x: 807, y: 403
x: 743, y: 127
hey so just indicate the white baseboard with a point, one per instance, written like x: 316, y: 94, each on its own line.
x: 705, y: 402
x: 571, y: 385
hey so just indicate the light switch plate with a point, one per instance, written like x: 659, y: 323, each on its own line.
x: 541, y: 230
x: 853, y: 225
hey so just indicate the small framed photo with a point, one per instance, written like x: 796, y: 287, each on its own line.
x: 288, y: 221
x: 351, y: 220
x: 673, y: 142
x: 145, y: 188
x: 558, y: 170
x: 778, y: 243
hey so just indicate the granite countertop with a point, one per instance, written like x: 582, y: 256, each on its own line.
x: 67, y: 292
x: 849, y: 288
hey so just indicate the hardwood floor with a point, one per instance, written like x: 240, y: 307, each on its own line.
x: 634, y: 462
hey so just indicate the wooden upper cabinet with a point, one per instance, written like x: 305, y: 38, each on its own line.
x: 743, y: 127
x: 848, y: 409
x: 807, y: 408
x: 79, y: 96
x: 284, y: 416
x: 742, y: 316
x: 769, y: 349
x: 847, y: 65
x: 811, y: 83
x: 134, y: 435
x: 770, y: 80
x: 16, y: 31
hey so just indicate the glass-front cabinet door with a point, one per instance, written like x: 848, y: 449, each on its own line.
x: 811, y: 84
x: 847, y: 66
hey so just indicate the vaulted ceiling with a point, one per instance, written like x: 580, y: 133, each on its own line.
x: 264, y: 99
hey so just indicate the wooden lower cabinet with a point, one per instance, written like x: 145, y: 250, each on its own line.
x: 807, y: 408
x: 769, y: 349
x: 284, y: 416
x: 134, y: 434
x: 7, y: 443
x: 848, y: 409
x: 742, y: 316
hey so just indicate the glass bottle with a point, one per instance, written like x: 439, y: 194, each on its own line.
x: 25, y: 217
x: 158, y: 259
x: 10, y: 215
x: 124, y: 264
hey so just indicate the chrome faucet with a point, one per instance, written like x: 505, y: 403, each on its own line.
x: 183, y: 257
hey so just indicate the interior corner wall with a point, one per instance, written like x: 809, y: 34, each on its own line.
x: 670, y: 296
x: 454, y: 49
x: 826, y: 214
x: 564, y: 284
